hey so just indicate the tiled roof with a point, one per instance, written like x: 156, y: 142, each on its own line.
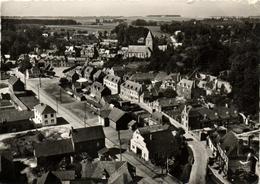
x: 142, y: 76
x: 160, y: 76
x: 137, y: 48
x: 152, y: 129
x: 11, y: 115
x: 113, y: 78
x: 12, y: 80
x: 65, y: 175
x: 96, y: 170
x: 53, y: 147
x: 121, y: 175
x: 48, y: 177
x: 88, y: 134
x: 116, y: 114
x: 132, y: 85
x: 44, y: 109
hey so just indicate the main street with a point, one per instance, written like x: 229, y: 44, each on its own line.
x: 76, y: 122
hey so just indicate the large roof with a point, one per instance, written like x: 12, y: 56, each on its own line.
x: 116, y: 114
x: 44, y: 109
x: 132, y: 85
x: 11, y: 115
x: 137, y: 48
x: 152, y: 129
x: 96, y: 170
x: 113, y: 78
x: 12, y: 80
x: 88, y: 134
x: 53, y: 147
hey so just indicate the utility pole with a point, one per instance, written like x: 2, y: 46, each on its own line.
x: 60, y: 96
x: 85, y: 113
x: 39, y: 93
x: 57, y: 103
x: 119, y: 144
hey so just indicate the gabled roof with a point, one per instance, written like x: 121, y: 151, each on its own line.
x: 149, y: 35
x: 53, y: 147
x: 160, y: 76
x: 98, y: 74
x: 44, y: 109
x: 12, y: 80
x: 121, y: 175
x: 152, y: 129
x: 132, y: 85
x: 230, y: 142
x: 187, y: 82
x: 113, y: 78
x: 87, y: 134
x: 48, y: 177
x: 98, y: 86
x: 137, y: 48
x: 11, y: 115
x: 116, y: 114
x: 142, y: 76
x: 96, y: 170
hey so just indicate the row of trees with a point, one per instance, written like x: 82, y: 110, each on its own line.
x: 142, y: 22
x: 42, y: 21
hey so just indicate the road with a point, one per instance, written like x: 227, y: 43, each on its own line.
x: 78, y: 123
x: 199, y: 167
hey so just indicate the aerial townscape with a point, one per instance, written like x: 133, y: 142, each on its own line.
x: 124, y: 100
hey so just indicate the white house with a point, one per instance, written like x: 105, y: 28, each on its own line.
x: 44, y: 115
x: 113, y: 83
x: 131, y: 91
x: 154, y: 142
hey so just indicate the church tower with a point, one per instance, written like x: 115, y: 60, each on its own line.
x: 149, y: 40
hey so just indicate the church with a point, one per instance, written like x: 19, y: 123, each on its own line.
x: 142, y: 51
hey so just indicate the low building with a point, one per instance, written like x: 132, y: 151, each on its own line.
x: 53, y: 151
x: 113, y: 83
x: 89, y: 140
x: 44, y: 115
x: 155, y: 143
x: 103, y: 118
x: 12, y: 120
x: 16, y: 86
x: 185, y: 87
x: 98, y: 91
x: 131, y: 91
x: 72, y: 76
x: 110, y: 172
x: 89, y: 72
x: 118, y: 119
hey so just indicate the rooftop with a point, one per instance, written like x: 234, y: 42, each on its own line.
x: 88, y: 134
x: 44, y: 109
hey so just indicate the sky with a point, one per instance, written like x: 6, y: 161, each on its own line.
x: 185, y: 8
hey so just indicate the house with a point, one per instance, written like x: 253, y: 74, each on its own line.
x: 155, y: 143
x: 103, y: 118
x: 72, y: 76
x: 98, y: 91
x: 223, y: 86
x: 6, y: 166
x: 142, y: 51
x: 159, y: 77
x: 131, y: 91
x: 16, y: 86
x: 99, y: 76
x: 51, y: 152
x: 110, y: 172
x: 118, y: 119
x: 64, y: 176
x: 89, y: 72
x: 185, y: 87
x: 12, y: 120
x: 89, y: 140
x: 162, y: 104
x: 202, y: 117
x: 44, y: 115
x: 113, y: 83
x: 170, y: 81
x: 143, y: 77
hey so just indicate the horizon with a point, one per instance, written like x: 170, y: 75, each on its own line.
x: 130, y: 8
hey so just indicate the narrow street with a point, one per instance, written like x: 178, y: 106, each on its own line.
x: 78, y: 123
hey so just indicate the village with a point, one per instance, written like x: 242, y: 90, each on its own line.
x: 77, y: 118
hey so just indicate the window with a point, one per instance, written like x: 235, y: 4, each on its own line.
x: 98, y: 144
x: 133, y: 146
x: 52, y: 115
x: 46, y: 121
x: 52, y: 121
x: 45, y: 116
